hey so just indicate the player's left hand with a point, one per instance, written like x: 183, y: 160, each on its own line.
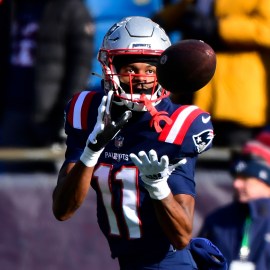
x: 155, y: 173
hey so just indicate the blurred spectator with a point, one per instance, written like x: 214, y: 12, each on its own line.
x: 239, y: 31
x: 51, y: 49
x: 241, y: 229
x: 105, y: 13
x: 64, y: 53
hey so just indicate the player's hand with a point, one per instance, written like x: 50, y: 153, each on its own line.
x: 104, y: 131
x: 155, y: 173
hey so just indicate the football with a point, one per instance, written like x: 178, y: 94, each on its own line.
x: 186, y: 66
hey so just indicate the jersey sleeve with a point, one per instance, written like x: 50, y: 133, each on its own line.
x: 191, y: 129
x: 80, y: 119
x: 192, y: 132
x: 181, y: 181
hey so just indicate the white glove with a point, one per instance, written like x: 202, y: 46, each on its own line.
x: 155, y: 173
x: 104, y: 131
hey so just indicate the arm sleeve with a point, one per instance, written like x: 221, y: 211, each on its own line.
x: 181, y: 181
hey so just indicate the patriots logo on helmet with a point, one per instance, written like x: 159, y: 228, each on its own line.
x: 141, y: 45
x: 203, y: 140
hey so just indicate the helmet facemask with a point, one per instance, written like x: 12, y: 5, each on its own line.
x: 129, y: 92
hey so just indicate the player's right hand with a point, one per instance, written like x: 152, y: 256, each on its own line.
x: 104, y: 131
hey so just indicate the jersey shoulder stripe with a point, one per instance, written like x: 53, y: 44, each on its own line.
x: 182, y: 118
x: 79, y: 108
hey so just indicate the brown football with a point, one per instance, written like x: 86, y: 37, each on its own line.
x: 186, y: 66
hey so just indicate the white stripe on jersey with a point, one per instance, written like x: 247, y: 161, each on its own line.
x: 178, y: 123
x: 77, y: 123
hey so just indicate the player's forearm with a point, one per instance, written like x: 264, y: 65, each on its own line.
x: 176, y: 218
x: 71, y: 190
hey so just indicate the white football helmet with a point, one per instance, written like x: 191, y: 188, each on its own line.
x: 131, y: 37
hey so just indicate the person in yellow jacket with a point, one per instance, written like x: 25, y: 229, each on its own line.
x: 239, y: 31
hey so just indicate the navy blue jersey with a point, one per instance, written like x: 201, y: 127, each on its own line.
x: 125, y: 213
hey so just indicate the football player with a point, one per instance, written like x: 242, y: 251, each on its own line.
x: 137, y: 150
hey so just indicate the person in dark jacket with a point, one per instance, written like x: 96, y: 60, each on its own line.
x: 241, y: 229
x: 64, y: 56
x: 50, y: 60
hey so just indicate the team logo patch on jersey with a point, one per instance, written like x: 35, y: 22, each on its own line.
x: 203, y: 139
x: 118, y: 141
